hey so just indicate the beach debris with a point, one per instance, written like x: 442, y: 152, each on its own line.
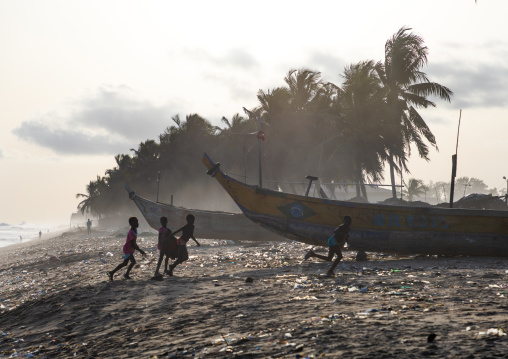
x: 367, y: 313
x: 53, y: 259
x: 431, y: 338
x: 307, y: 297
x: 249, y: 280
x: 490, y: 333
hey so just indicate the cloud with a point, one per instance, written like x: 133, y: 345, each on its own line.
x: 235, y: 69
x: 474, y: 85
x: 236, y: 57
x: 330, y: 66
x: 108, y: 122
x: 239, y: 88
x: 68, y: 141
x: 117, y: 112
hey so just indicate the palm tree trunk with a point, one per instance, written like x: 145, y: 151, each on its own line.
x: 358, y: 180
x: 364, y: 191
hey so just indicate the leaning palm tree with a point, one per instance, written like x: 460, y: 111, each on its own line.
x: 407, y: 89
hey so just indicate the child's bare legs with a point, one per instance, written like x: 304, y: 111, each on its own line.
x: 338, y: 252
x: 325, y: 258
x: 166, y: 264
x: 121, y: 265
x: 182, y: 257
x: 333, y: 250
x: 133, y: 262
x: 161, y: 256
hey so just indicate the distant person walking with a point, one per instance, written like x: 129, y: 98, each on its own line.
x: 335, y: 243
x: 40, y: 234
x: 129, y: 248
x: 187, y: 233
x: 89, y: 226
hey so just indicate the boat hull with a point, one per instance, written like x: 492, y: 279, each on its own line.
x: 378, y: 228
x: 209, y: 224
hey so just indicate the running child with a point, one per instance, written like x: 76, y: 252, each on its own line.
x: 187, y: 233
x: 335, y: 243
x: 164, y: 245
x: 129, y: 248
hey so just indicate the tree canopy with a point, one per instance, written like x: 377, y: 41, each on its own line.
x: 343, y: 133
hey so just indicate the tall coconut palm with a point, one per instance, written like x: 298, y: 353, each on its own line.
x: 298, y: 117
x: 274, y: 103
x: 305, y: 88
x: 407, y: 89
x: 360, y: 148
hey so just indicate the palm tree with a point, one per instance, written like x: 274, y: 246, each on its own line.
x: 275, y: 102
x: 122, y: 170
x: 360, y: 148
x: 414, y: 188
x: 407, y: 89
x: 297, y: 117
x: 147, y: 152
x: 94, y: 202
x: 306, y: 89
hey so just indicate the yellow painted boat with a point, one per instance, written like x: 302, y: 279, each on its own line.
x: 375, y: 227
x: 209, y: 224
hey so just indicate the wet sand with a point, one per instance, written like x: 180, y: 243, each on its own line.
x: 249, y: 300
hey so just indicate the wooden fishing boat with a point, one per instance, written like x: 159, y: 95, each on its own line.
x: 375, y: 227
x: 209, y: 224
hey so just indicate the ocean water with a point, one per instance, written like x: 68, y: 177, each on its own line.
x: 10, y: 234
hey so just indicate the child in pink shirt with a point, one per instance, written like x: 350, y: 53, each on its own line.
x: 129, y: 248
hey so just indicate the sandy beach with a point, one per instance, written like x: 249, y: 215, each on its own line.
x: 248, y: 300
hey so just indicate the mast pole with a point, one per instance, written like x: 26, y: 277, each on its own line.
x: 260, y: 136
x: 454, y: 164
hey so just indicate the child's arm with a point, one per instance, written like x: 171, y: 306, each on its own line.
x: 175, y: 232
x: 135, y: 246
x: 341, y: 238
x: 197, y: 243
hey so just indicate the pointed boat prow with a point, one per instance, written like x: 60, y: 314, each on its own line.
x: 212, y: 167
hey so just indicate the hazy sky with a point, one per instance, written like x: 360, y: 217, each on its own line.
x: 81, y: 81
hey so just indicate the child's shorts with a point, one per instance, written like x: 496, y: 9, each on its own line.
x: 331, y: 241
